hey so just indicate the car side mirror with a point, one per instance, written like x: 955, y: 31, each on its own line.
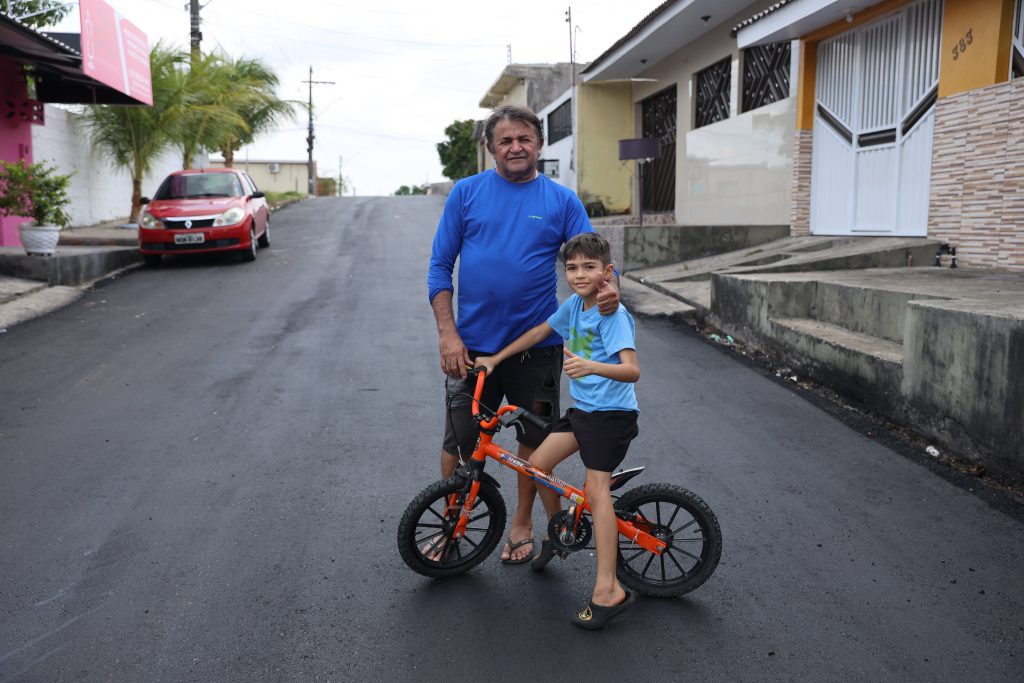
x: 144, y: 201
x: 257, y: 195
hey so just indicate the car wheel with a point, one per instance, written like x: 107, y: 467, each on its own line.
x: 152, y: 260
x: 250, y: 253
x: 264, y: 240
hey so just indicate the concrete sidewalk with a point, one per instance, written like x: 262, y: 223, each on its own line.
x: 31, y: 286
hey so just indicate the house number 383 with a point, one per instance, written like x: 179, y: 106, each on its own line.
x: 961, y: 46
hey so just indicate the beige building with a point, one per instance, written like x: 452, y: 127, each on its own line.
x: 530, y: 85
x: 724, y: 118
x: 275, y: 176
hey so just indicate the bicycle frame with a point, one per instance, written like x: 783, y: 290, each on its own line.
x: 486, y: 448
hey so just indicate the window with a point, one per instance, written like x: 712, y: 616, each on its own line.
x: 1017, y: 48
x: 548, y: 167
x: 713, y: 91
x: 560, y: 122
x: 765, y: 74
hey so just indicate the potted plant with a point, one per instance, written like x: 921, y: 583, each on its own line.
x: 35, y: 190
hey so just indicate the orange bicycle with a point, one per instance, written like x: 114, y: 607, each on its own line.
x: 669, y: 539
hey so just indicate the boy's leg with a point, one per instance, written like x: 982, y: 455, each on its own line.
x: 607, y: 590
x: 556, y: 447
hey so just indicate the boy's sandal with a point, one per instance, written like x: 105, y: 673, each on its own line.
x: 593, y: 617
x: 546, y: 554
x: 512, y: 545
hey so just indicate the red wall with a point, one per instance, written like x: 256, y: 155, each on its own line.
x: 15, y: 137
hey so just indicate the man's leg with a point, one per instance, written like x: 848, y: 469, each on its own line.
x: 522, y: 519
x: 448, y: 464
x: 530, y: 381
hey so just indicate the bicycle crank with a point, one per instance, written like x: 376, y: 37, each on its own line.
x: 566, y: 538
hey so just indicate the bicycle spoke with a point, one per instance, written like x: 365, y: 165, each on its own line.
x: 688, y: 524
x: 638, y: 554
x: 479, y: 517
x: 647, y: 566
x: 661, y: 559
x: 673, y: 517
x: 675, y: 562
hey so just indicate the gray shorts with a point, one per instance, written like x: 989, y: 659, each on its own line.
x: 529, y: 380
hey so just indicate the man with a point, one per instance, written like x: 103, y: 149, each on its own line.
x: 505, y: 227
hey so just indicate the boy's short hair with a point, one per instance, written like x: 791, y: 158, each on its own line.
x: 590, y: 245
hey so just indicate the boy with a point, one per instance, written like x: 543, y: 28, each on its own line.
x: 601, y: 360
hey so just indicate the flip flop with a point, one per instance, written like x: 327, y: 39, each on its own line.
x: 593, y: 617
x: 546, y: 554
x: 512, y: 545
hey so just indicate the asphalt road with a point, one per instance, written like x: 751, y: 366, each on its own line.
x: 202, y: 468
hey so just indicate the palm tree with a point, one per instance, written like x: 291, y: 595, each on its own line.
x: 258, y: 105
x: 132, y: 137
x: 218, y: 105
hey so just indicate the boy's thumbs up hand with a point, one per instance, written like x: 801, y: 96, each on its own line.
x: 575, y: 366
x: 607, y: 297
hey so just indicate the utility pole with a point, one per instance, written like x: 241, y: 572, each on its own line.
x: 310, y: 137
x: 196, y: 35
x: 572, y: 54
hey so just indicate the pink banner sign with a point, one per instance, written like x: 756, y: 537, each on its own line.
x: 114, y: 51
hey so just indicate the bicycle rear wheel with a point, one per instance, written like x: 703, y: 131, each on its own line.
x: 424, y: 532
x: 681, y: 519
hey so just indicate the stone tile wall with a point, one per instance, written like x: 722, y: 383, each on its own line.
x: 800, y: 211
x: 977, y: 184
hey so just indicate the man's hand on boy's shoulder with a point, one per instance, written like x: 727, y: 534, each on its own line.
x: 607, y: 297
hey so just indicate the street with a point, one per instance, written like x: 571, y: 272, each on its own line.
x: 202, y: 468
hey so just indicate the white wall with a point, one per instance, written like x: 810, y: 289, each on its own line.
x: 737, y: 171
x: 99, y: 193
x: 564, y: 149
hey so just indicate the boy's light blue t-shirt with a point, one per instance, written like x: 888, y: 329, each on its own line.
x: 596, y: 337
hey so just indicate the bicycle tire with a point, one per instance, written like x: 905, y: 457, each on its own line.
x: 694, y: 541
x: 427, y: 519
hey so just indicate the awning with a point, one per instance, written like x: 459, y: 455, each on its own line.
x: 793, y: 19
x: 56, y: 66
x: 672, y: 25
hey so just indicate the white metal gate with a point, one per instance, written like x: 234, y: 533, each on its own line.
x: 875, y: 97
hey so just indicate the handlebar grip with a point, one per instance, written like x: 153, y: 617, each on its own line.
x: 541, y: 424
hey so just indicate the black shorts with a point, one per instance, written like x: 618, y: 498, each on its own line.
x: 529, y: 380
x: 603, y: 435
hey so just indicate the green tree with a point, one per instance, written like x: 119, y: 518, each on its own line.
x: 458, y: 152
x: 36, y: 13
x: 406, y: 190
x: 132, y: 137
x: 255, y: 101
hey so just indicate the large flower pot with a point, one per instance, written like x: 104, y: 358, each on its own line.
x: 39, y: 239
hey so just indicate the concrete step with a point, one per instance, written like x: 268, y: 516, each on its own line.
x: 651, y: 302
x: 840, y: 337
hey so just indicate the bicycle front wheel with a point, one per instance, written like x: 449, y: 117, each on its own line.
x: 689, y: 527
x: 425, y: 531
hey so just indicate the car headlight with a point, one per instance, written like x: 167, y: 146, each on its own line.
x: 148, y: 222
x: 230, y: 217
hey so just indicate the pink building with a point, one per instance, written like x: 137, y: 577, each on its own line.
x: 59, y: 76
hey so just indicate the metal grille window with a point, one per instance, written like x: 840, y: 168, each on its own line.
x: 713, y: 90
x: 1017, y: 50
x: 560, y: 122
x: 659, y: 121
x: 765, y: 74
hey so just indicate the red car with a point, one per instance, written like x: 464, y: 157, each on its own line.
x: 199, y: 210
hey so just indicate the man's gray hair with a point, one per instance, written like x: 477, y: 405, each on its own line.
x: 511, y: 112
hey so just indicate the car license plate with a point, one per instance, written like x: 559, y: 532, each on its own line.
x: 190, y: 238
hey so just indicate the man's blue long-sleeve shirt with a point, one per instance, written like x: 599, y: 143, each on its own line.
x: 506, y: 237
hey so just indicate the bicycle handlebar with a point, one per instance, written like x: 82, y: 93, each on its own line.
x: 522, y: 413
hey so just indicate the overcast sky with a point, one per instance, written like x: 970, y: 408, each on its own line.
x: 402, y: 70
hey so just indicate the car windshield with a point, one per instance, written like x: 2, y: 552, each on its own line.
x: 195, y: 185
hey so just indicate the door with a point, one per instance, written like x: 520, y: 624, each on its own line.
x: 875, y: 95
